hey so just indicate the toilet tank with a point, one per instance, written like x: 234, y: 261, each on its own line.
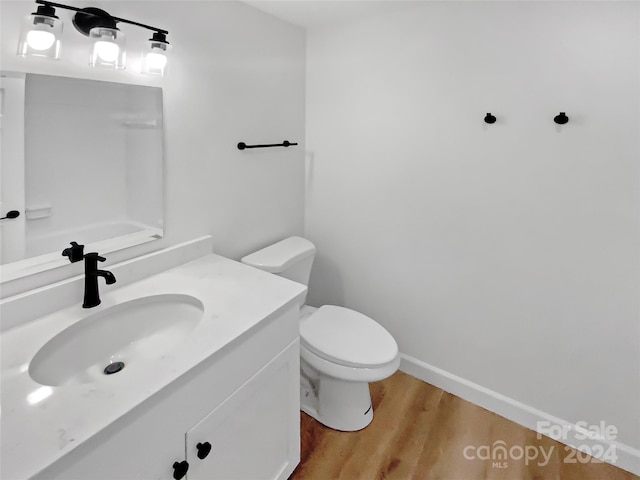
x: 291, y: 258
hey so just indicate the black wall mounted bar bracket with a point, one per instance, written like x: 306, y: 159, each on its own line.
x: 286, y: 143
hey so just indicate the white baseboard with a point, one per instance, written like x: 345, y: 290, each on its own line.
x: 628, y: 458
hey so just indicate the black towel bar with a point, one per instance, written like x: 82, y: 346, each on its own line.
x: 286, y: 143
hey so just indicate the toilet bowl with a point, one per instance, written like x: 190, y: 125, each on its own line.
x: 335, y: 372
x: 341, y: 350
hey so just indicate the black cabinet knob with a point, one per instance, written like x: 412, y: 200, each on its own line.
x: 203, y: 450
x: 180, y: 469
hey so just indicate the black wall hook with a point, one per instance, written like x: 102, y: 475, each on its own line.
x: 489, y: 118
x: 561, y: 119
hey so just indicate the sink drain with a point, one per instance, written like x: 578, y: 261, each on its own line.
x: 114, y: 367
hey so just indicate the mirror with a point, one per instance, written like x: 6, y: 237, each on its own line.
x: 81, y: 160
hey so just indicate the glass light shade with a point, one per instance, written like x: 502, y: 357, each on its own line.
x: 155, y: 59
x: 40, y: 36
x: 108, y: 48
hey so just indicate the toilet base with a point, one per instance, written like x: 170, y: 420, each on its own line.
x: 338, y: 404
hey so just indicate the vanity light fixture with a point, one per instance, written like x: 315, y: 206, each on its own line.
x: 107, y: 49
x: 40, y: 34
x: 155, y: 58
x: 40, y: 37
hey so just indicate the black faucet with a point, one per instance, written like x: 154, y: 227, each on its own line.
x: 91, y: 274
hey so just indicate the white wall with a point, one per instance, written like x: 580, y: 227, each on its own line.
x: 505, y: 254
x: 235, y: 74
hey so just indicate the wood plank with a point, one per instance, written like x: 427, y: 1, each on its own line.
x: 420, y: 432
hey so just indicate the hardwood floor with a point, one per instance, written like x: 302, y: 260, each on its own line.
x: 420, y: 432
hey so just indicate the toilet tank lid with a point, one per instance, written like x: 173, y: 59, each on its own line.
x: 282, y: 255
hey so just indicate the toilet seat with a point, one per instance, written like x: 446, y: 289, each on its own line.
x: 349, y: 338
x: 345, y: 372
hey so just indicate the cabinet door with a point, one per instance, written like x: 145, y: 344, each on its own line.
x: 255, y: 433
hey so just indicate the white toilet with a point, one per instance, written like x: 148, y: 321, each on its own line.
x: 341, y: 350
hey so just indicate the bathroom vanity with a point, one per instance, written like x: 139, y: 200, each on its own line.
x: 222, y: 401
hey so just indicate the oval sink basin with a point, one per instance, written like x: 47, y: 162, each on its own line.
x: 106, y: 342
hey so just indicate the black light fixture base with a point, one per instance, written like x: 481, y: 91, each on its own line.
x: 159, y: 37
x: 91, y: 17
x: 46, y: 10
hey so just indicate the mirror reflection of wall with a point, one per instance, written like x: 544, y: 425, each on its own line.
x: 12, y: 245
x: 92, y: 166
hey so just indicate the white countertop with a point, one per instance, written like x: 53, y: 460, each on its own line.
x: 37, y: 433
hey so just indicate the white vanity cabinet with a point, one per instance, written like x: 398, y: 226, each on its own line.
x: 252, y: 434
x: 243, y: 401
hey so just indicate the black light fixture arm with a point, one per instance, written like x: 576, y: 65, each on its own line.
x: 85, y: 12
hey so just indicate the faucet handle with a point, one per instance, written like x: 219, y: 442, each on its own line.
x: 74, y: 252
x: 95, y: 255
